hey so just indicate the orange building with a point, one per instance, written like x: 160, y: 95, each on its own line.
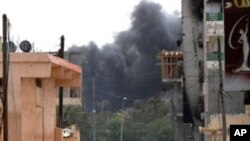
x: 34, y: 79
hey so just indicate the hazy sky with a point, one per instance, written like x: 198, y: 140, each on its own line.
x: 81, y: 21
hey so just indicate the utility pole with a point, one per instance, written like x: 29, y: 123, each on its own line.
x: 221, y: 95
x: 122, y: 122
x: 5, y: 78
x: 94, y: 110
x: 61, y: 55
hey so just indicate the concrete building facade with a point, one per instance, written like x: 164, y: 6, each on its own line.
x: 34, y: 79
x: 235, y: 108
x: 203, y: 34
x: 73, y: 95
x: 171, y: 68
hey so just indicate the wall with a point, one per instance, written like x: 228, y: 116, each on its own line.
x: 231, y: 119
x: 192, y: 54
x: 75, y: 58
x: 33, y: 83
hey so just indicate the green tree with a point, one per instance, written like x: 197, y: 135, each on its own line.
x: 112, y: 129
x: 150, y: 109
x: 160, y: 130
x: 145, y: 121
x: 73, y: 114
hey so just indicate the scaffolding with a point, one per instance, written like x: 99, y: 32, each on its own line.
x: 171, y: 64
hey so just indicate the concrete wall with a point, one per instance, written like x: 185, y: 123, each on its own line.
x: 231, y: 119
x: 234, y: 101
x: 71, y: 101
x: 33, y: 84
x: 75, y: 58
x: 35, y: 119
x: 192, y: 55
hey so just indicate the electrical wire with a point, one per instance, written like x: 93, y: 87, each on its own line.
x: 118, y: 96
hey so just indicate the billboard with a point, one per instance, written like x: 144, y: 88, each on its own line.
x: 237, y: 37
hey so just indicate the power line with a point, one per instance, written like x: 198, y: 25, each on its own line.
x: 118, y: 96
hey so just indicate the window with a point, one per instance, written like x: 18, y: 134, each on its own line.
x: 74, y: 92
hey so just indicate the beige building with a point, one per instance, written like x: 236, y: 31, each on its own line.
x: 213, y: 130
x: 34, y: 79
x: 72, y: 95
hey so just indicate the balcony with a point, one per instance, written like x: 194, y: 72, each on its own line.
x: 171, y: 66
x: 218, y: 16
x: 214, y: 56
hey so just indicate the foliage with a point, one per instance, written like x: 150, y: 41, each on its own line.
x: 145, y: 121
x: 128, y: 67
x: 74, y: 115
x: 149, y: 110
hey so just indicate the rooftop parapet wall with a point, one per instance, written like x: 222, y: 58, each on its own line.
x: 39, y: 65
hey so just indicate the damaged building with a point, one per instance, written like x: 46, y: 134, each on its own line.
x: 200, y: 118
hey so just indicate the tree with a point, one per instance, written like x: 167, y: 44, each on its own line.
x: 73, y: 115
x: 112, y: 132
x: 145, y: 121
x: 160, y: 130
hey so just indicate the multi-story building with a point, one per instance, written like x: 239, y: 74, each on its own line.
x: 203, y: 35
x: 171, y: 66
x: 72, y: 95
x: 214, y: 39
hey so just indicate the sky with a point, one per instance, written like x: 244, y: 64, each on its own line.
x: 42, y: 22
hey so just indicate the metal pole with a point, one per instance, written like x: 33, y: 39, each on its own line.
x: 122, y: 122
x: 94, y: 111
x: 221, y: 95
x: 61, y: 55
x: 5, y: 79
x: 94, y: 126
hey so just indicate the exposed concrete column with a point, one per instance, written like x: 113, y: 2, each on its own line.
x: 14, y: 105
x: 28, y: 97
x: 49, y: 108
x: 192, y: 54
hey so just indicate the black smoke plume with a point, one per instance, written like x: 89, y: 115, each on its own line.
x: 129, y: 67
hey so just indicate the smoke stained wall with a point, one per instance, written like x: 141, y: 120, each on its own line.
x: 128, y: 67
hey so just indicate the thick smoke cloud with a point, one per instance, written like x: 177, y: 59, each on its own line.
x: 129, y: 67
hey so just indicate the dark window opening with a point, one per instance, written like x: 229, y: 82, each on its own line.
x: 74, y: 92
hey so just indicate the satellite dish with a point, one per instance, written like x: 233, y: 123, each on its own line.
x: 25, y: 46
x: 12, y: 46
